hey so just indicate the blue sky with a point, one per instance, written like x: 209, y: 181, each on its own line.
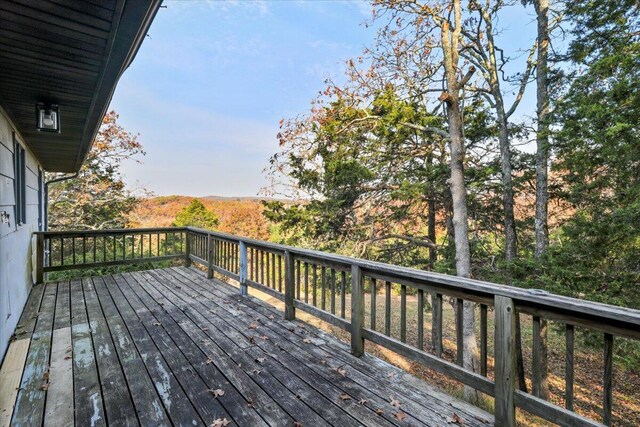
x: 212, y: 80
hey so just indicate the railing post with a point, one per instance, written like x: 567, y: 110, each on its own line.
x: 187, y: 249
x: 209, y: 256
x: 243, y: 269
x: 39, y: 258
x: 357, y: 311
x: 289, y: 287
x: 505, y: 362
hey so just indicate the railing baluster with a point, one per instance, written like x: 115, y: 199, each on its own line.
x: 568, y: 374
x: 505, y: 362
x: 357, y: 311
x: 242, y: 248
x: 210, y: 244
x: 333, y: 291
x: 387, y: 308
x: 40, y: 258
x: 190, y: 242
x: 343, y: 294
x: 324, y: 290
x: 420, y: 342
x: 280, y: 273
x: 314, y: 284
x: 306, y: 282
x: 403, y: 313
x: 459, y: 330
x: 538, y: 374
x: 73, y: 250
x: 298, y: 281
x: 483, y: 340
x: 94, y: 249
x: 436, y: 323
x: 372, y: 286
x: 289, y: 287
x: 607, y: 394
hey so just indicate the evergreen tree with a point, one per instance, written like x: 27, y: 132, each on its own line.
x: 196, y: 215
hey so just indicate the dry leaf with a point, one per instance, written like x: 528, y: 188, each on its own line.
x: 400, y: 416
x: 220, y: 422
x: 157, y: 323
x: 264, y: 337
x: 253, y: 326
x: 297, y: 424
x: 272, y: 317
x: 395, y: 402
x: 209, y: 361
x: 217, y: 392
x: 256, y: 371
x: 250, y: 403
x: 261, y: 359
x: 306, y: 341
x: 252, y: 340
x: 363, y: 402
x: 345, y: 396
x: 379, y: 412
x: 342, y: 372
x: 457, y: 420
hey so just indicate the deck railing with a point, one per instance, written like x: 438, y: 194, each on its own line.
x: 356, y: 295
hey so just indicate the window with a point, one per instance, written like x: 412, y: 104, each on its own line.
x: 19, y: 180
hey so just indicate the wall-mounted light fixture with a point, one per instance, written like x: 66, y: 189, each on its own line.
x: 48, y: 117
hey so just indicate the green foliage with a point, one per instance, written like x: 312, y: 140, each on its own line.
x: 196, y: 215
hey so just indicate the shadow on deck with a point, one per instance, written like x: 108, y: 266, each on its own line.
x: 168, y: 346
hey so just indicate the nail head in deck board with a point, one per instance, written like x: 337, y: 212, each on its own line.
x: 505, y: 361
x: 31, y: 396
x: 10, y: 375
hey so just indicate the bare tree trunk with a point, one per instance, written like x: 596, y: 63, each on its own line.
x: 450, y: 43
x: 542, y: 159
x: 432, y: 231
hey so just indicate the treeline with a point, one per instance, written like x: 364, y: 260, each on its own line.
x: 417, y: 157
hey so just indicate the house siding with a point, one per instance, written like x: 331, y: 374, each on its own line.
x: 15, y: 240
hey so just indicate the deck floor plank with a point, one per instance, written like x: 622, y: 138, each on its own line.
x: 35, y: 378
x: 298, y: 366
x: 173, y: 397
x: 88, y: 404
x: 266, y: 380
x: 149, y: 347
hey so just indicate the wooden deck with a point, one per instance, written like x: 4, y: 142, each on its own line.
x: 169, y: 347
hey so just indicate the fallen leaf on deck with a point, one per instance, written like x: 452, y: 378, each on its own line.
x: 220, y: 422
x: 323, y: 362
x: 157, y: 323
x: 342, y: 372
x: 306, y: 341
x: 252, y: 340
x: 400, y: 416
x: 264, y: 337
x: 297, y: 424
x: 272, y: 317
x: 253, y: 326
x: 363, y: 402
x: 209, y: 361
x: 457, y: 420
x: 217, y: 392
x: 260, y: 359
x: 395, y: 402
x: 379, y: 412
x: 345, y: 396
x: 250, y: 403
x: 256, y: 371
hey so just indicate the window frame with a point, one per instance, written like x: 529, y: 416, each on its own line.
x: 20, y: 182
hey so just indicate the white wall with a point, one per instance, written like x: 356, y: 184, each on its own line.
x: 15, y: 241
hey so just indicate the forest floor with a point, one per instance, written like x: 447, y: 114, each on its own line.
x: 588, y: 368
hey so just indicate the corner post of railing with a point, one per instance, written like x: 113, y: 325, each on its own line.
x: 187, y: 248
x: 289, y: 287
x: 209, y: 256
x: 243, y: 268
x: 357, y: 311
x: 39, y: 258
x: 505, y: 361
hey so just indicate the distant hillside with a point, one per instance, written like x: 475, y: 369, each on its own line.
x: 245, y: 198
x: 238, y: 215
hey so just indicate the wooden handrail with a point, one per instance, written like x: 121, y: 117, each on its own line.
x: 303, y: 279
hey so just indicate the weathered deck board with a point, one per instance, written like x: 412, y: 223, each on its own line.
x: 151, y: 348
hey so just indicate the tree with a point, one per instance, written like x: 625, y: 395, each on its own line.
x: 196, y: 215
x: 99, y: 197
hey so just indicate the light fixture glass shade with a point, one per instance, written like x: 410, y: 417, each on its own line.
x: 48, y: 117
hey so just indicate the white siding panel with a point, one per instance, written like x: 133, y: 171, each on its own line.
x: 6, y: 162
x: 7, y: 192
